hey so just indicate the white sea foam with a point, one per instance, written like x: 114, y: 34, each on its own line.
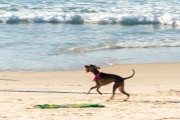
x: 166, y: 19
x: 92, y: 12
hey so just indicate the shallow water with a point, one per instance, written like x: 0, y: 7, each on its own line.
x: 64, y: 35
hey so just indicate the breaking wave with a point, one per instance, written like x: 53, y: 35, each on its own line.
x: 90, y: 12
x: 115, y: 46
x: 166, y: 19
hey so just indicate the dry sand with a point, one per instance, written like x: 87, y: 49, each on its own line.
x: 154, y: 90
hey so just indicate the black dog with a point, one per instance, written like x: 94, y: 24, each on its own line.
x: 102, y: 79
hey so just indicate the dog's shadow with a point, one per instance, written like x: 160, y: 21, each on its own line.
x: 38, y: 91
x: 8, y: 80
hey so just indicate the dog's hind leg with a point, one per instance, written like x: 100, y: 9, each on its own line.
x: 122, y: 91
x: 116, y: 85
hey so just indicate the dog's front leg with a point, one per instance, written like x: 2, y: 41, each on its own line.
x: 98, y: 90
x: 98, y: 84
x: 92, y: 88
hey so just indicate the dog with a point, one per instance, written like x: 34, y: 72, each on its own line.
x: 102, y: 79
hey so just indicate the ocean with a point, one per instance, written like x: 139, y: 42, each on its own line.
x: 52, y: 35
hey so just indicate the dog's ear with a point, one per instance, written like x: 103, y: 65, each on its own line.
x: 95, y: 66
x: 98, y: 67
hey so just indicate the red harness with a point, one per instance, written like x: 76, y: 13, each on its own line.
x: 97, y: 76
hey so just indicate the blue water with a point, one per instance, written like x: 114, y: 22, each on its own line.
x: 46, y: 35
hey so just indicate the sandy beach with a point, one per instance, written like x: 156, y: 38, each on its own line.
x: 154, y: 90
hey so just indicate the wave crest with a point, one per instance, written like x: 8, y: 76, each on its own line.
x: 98, y: 18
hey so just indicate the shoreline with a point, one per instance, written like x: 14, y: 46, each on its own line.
x: 81, y: 69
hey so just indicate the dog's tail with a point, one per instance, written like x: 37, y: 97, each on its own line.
x: 131, y: 75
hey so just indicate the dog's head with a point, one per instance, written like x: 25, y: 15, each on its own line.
x: 91, y: 68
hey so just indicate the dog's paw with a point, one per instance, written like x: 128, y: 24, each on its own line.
x: 109, y: 99
x: 125, y: 100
